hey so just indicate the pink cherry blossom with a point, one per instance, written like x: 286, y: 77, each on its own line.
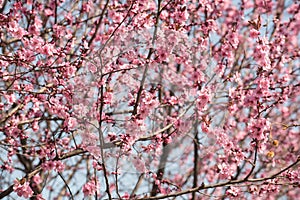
x: 90, y: 188
x: 233, y: 191
x: 186, y: 99
x: 22, y: 189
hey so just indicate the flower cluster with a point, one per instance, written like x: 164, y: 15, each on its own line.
x: 22, y: 188
x: 91, y: 187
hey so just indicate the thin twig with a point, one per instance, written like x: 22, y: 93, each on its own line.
x: 69, y: 189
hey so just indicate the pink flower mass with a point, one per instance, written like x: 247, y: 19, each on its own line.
x: 22, y: 189
x: 90, y: 188
x: 149, y: 99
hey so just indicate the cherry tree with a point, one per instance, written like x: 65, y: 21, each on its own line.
x: 149, y: 99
